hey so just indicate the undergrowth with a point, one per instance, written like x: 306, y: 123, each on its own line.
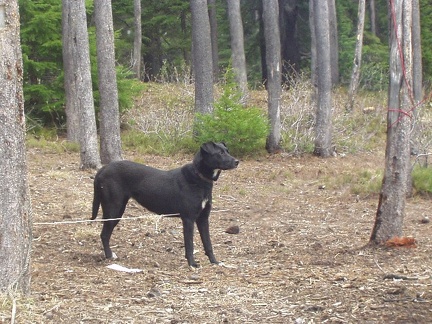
x: 162, y: 122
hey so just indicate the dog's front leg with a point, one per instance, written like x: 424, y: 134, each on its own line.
x: 203, y: 228
x: 188, y: 231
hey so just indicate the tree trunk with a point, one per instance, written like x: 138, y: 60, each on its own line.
x: 15, y: 209
x: 313, y: 48
x: 323, y: 123
x: 417, y: 86
x: 214, y: 38
x: 237, y: 47
x: 290, y: 51
x: 202, y: 57
x: 109, y: 107
x: 72, y: 108
x: 391, y: 206
x: 136, y: 66
x: 372, y: 13
x: 78, y: 77
x: 355, y: 77
x: 273, y: 60
x: 334, y: 42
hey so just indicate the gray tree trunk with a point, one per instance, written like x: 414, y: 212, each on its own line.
x: 334, y: 42
x: 78, y: 78
x: 72, y: 108
x: 136, y: 66
x: 417, y: 86
x: 15, y: 209
x: 214, y: 38
x: 202, y: 57
x: 391, y: 206
x: 237, y: 47
x: 110, y: 139
x: 323, y: 123
x: 372, y: 13
x: 273, y: 61
x: 355, y: 76
x: 313, y: 47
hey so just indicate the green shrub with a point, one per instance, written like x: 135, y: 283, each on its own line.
x: 243, y: 129
x: 422, y: 180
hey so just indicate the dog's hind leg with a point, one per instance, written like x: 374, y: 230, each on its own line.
x: 105, y: 235
x: 108, y: 227
x: 203, y: 228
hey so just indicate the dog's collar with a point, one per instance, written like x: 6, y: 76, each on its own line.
x: 200, y: 175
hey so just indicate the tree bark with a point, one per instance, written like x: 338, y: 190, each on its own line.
x: 71, y: 109
x: 237, y: 47
x: 334, y: 42
x: 110, y: 140
x: 214, y: 38
x: 202, y: 57
x: 78, y: 78
x: 313, y: 48
x: 273, y: 61
x: 15, y: 209
x: 372, y: 13
x: 391, y: 205
x: 136, y: 66
x: 323, y: 123
x: 355, y: 76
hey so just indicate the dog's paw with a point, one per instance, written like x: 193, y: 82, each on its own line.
x: 113, y: 257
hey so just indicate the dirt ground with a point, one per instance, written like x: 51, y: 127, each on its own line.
x: 299, y: 256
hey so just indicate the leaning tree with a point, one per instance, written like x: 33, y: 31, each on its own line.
x: 391, y: 206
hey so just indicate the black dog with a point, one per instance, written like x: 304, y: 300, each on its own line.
x: 186, y: 191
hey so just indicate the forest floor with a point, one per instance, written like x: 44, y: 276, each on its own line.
x: 300, y: 255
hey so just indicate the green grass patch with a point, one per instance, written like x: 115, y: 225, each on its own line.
x: 51, y: 145
x: 422, y: 180
x: 361, y: 182
x: 157, y: 143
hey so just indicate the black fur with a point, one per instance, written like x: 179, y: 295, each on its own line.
x: 186, y: 191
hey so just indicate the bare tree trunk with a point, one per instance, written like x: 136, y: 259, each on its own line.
x: 355, y: 77
x: 372, y: 12
x: 214, y: 38
x: 417, y: 52
x: 391, y: 206
x: 78, y: 78
x: 273, y: 60
x: 109, y: 107
x: 334, y: 42
x: 71, y: 109
x: 313, y: 47
x: 202, y: 57
x: 417, y: 86
x: 136, y: 66
x: 237, y: 47
x: 323, y: 124
x: 15, y: 209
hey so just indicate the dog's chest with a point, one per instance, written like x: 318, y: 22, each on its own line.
x: 204, y: 203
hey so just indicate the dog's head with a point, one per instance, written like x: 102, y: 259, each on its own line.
x: 216, y: 156
x: 212, y: 158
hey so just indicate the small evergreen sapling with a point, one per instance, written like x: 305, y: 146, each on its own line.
x: 243, y: 129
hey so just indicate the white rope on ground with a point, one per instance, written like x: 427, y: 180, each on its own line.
x: 113, y: 219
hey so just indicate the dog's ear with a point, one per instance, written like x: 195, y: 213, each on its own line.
x: 207, y: 147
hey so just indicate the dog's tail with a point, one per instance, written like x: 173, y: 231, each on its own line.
x: 96, y: 200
